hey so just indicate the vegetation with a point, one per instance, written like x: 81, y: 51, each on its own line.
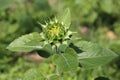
x: 68, y: 51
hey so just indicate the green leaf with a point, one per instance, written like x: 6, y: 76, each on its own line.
x: 66, y: 61
x: 65, y: 18
x: 33, y: 74
x: 26, y: 43
x: 54, y: 77
x: 5, y: 4
x: 106, y: 5
x: 62, y: 47
x: 94, y: 55
x: 46, y: 51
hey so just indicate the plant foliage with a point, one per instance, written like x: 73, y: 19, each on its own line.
x: 64, y: 58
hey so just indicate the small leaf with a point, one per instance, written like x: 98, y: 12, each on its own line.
x: 33, y: 74
x: 26, y: 43
x: 62, y: 47
x: 66, y: 61
x: 106, y: 5
x: 46, y: 51
x: 93, y: 55
x: 54, y: 77
x: 65, y: 18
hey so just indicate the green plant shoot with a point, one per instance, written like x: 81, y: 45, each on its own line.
x: 67, y: 53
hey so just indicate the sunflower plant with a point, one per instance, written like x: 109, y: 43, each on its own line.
x: 56, y: 41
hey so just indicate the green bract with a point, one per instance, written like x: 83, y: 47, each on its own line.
x: 55, y: 32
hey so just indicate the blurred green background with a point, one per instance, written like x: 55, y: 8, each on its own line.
x: 97, y: 21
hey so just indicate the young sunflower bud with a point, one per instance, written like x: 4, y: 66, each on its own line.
x: 54, y: 31
x: 56, y: 34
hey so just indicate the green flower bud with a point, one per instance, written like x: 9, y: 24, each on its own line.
x: 54, y: 31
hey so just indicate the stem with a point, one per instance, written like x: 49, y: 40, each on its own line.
x: 56, y: 50
x: 58, y: 73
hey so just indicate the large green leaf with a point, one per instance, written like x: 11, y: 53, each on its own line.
x: 33, y: 74
x: 93, y: 55
x: 26, y: 43
x: 65, y: 17
x: 66, y: 61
